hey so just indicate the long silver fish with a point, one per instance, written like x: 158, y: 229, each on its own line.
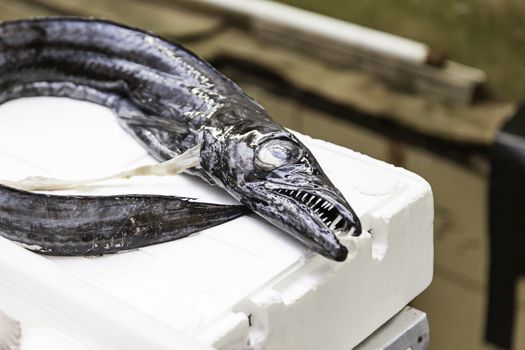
x: 170, y: 100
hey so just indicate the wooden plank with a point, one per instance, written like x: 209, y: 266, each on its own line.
x: 451, y: 81
x: 408, y: 68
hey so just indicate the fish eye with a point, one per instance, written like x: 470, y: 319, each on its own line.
x: 276, y: 153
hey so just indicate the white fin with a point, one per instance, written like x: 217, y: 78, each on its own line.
x: 186, y: 160
x: 10, y: 333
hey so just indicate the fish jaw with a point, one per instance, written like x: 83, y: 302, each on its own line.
x: 316, y: 216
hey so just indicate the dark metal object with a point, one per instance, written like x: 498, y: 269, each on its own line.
x: 171, y: 100
x: 507, y: 233
x: 406, y: 330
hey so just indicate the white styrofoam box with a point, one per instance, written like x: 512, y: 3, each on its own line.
x: 240, y: 285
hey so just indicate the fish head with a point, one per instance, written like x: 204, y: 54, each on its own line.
x: 270, y: 171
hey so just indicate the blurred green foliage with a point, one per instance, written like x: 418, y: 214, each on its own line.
x: 487, y: 34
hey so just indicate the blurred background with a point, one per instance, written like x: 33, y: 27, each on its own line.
x: 434, y: 107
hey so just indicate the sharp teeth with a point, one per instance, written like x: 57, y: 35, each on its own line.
x: 336, y: 221
x: 317, y: 201
x: 298, y: 193
x: 330, y: 207
x: 311, y: 198
x: 305, y: 195
x: 325, y: 205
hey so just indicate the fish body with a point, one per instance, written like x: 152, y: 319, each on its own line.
x: 170, y: 100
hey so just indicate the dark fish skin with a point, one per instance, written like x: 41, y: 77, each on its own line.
x: 95, y: 225
x: 171, y: 100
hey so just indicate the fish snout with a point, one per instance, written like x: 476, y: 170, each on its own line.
x: 314, y: 216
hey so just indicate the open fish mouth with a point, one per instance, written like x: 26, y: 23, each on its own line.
x: 328, y: 213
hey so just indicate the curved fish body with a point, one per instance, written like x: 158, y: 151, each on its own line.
x: 170, y: 100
